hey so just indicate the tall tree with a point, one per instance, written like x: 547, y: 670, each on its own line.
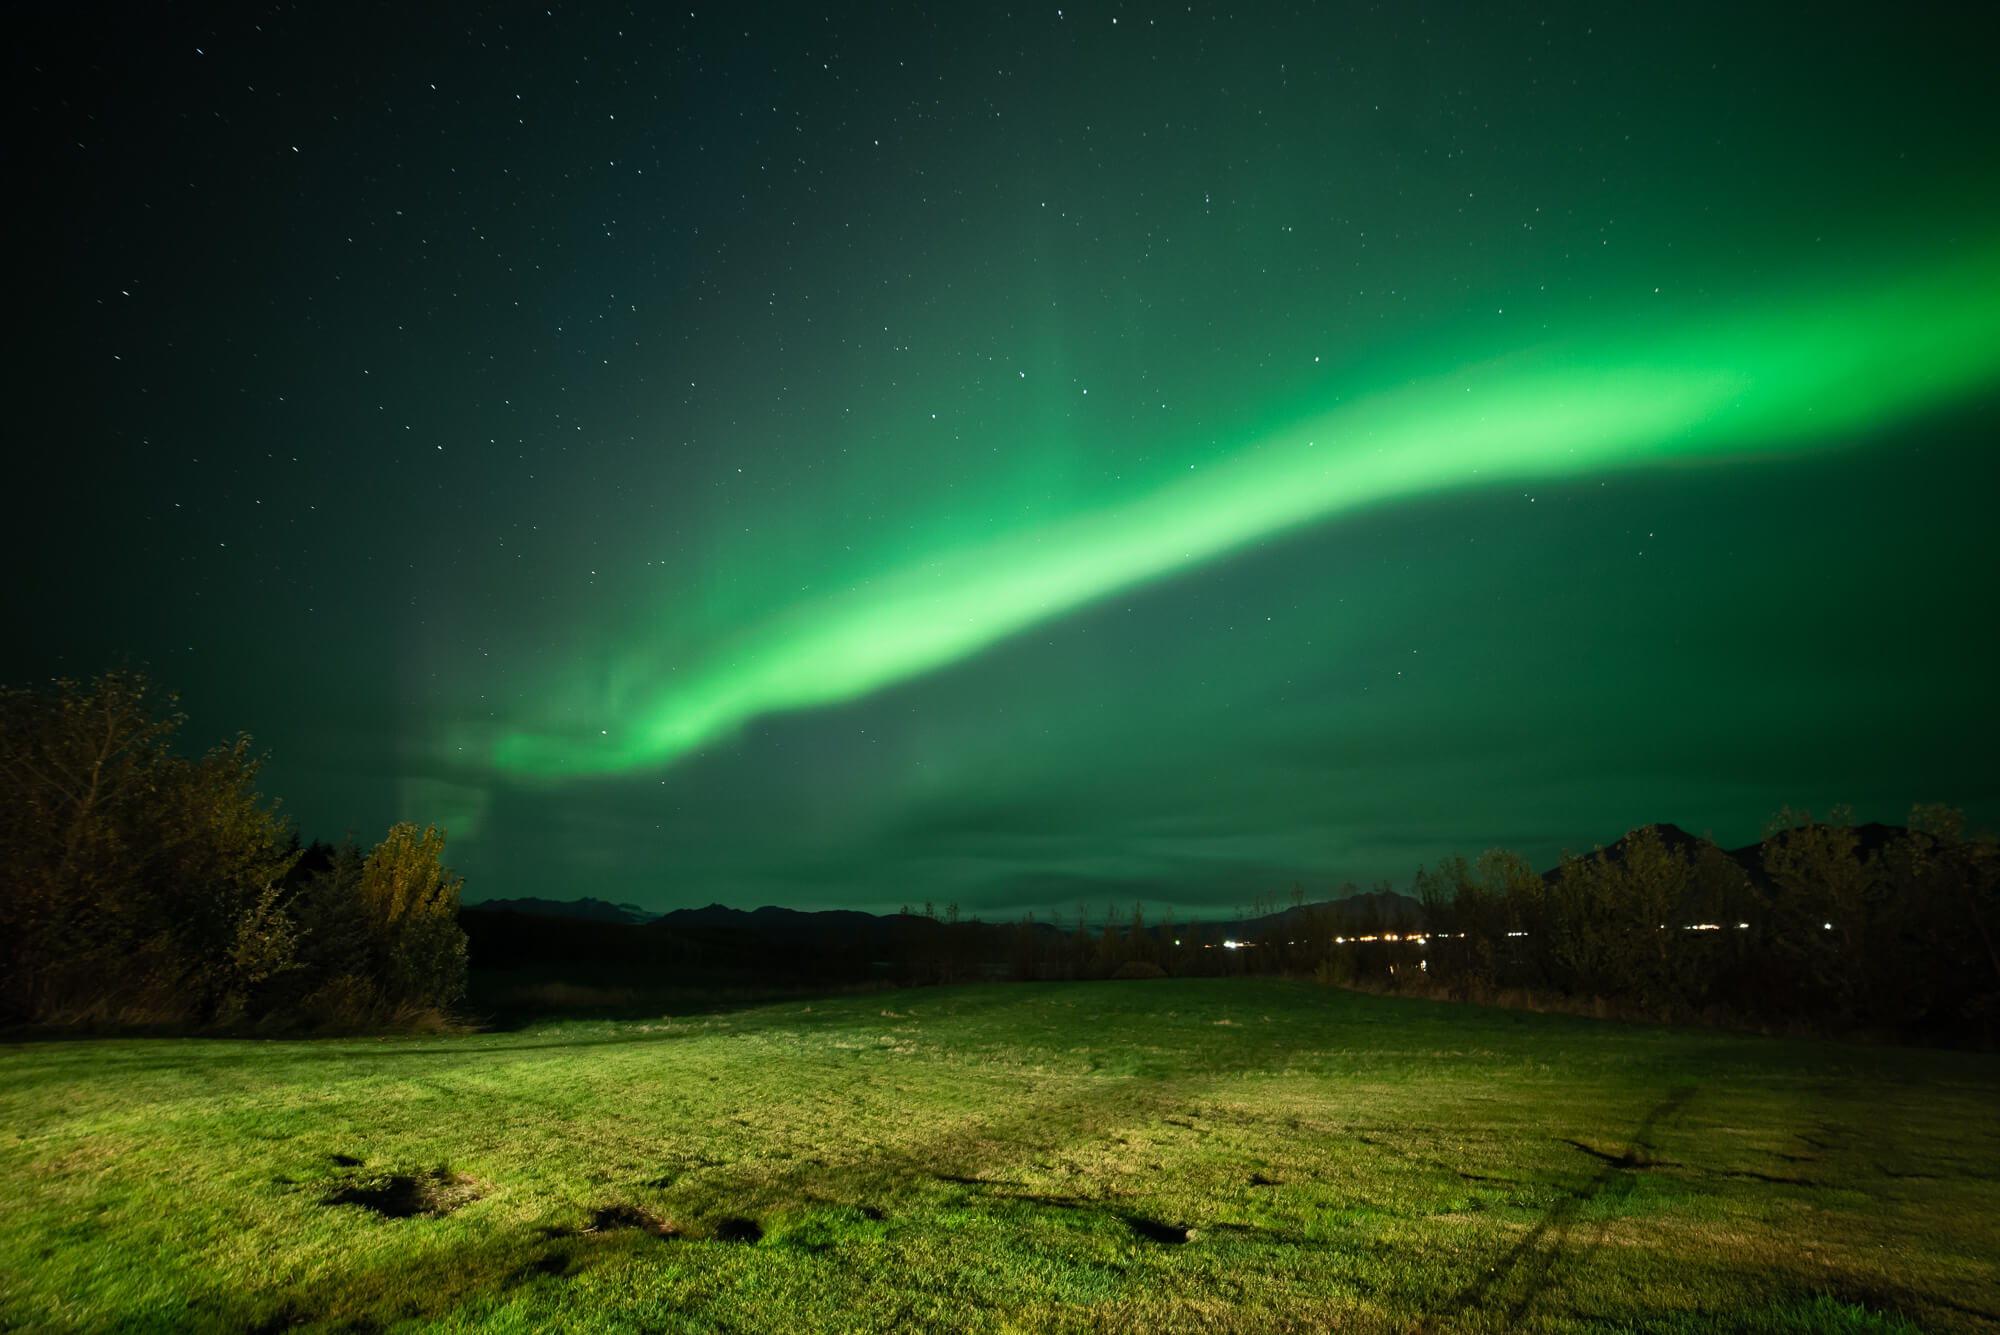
x: 411, y: 901
x: 134, y: 883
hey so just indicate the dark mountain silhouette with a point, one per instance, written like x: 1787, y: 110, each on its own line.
x: 770, y: 918
x: 1750, y: 857
x: 773, y: 922
x: 847, y: 944
x: 1743, y: 944
x: 1871, y: 838
x: 815, y: 945
x: 833, y: 935
x: 595, y: 910
x: 1366, y: 910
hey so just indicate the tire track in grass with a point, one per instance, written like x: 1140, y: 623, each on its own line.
x: 1531, y: 1263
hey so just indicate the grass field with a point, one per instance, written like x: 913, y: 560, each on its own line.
x: 1174, y: 1155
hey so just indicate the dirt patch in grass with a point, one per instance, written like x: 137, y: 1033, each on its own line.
x: 738, y: 1229
x: 613, y: 1218
x: 1153, y: 1230
x: 431, y: 1195
x: 281, y: 1320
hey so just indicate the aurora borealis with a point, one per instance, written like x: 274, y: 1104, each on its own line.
x: 1020, y: 458
x: 1814, y: 369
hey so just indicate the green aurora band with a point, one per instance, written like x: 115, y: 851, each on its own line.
x: 1763, y: 377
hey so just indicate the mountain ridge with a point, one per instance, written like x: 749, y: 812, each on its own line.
x: 1391, y: 906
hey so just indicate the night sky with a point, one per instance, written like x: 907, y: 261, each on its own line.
x: 868, y: 455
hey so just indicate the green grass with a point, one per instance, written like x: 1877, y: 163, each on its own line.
x: 1245, y: 1155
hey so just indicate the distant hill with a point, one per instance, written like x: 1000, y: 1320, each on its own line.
x: 1375, y: 908
x: 592, y: 910
x: 720, y: 932
x: 772, y: 922
x: 770, y: 918
x: 717, y: 923
x: 723, y: 946
x: 1871, y: 838
x: 1750, y: 857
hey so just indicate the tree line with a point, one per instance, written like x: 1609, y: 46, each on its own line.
x: 141, y: 887
x: 1829, y: 925
x: 1133, y: 942
x: 1824, y: 925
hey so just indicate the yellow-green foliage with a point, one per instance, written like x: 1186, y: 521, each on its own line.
x: 138, y: 886
x: 403, y: 877
x: 135, y: 884
x: 410, y: 900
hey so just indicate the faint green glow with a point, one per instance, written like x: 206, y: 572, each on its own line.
x: 1760, y: 377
